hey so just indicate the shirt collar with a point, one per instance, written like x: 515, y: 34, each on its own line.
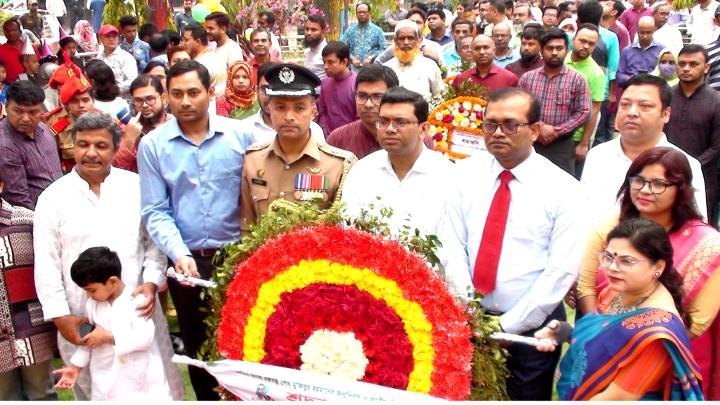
x: 636, y: 44
x: 506, y: 57
x: 311, y: 149
x: 215, y: 126
x: 494, y: 69
x: 619, y: 152
x: 525, y: 171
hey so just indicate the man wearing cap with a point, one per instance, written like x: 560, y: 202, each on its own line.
x: 76, y: 99
x: 294, y: 166
x: 121, y: 62
x: 415, y: 71
x: 32, y: 20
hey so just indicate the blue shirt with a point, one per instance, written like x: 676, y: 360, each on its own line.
x: 613, y: 47
x: 450, y: 56
x: 511, y: 57
x: 446, y: 39
x: 140, y: 50
x: 364, y: 41
x: 635, y: 60
x: 190, y: 193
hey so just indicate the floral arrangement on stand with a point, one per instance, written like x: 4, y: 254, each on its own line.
x: 463, y: 114
x: 308, y: 291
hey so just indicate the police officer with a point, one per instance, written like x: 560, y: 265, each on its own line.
x: 294, y: 166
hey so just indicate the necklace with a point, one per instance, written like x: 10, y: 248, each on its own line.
x: 617, y: 308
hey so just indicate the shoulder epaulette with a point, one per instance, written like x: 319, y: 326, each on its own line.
x: 342, y: 153
x: 52, y: 112
x: 258, y: 146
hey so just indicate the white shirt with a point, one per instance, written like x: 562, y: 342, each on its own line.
x: 543, y: 242
x: 56, y: 7
x: 123, y: 65
x: 606, y: 167
x: 417, y: 201
x: 112, y: 107
x: 216, y: 67
x: 700, y: 24
x: 264, y: 133
x: 313, y: 60
x: 132, y: 367
x: 421, y: 76
x: 70, y: 218
x: 670, y: 37
x: 229, y: 53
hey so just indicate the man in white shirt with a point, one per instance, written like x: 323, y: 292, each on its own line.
x: 514, y: 233
x: 700, y: 24
x: 121, y: 62
x: 643, y: 110
x: 408, y: 177
x: 315, y: 42
x: 261, y: 123
x: 96, y: 205
x: 415, y: 71
x: 496, y: 15
x: 227, y: 50
x: 195, y: 40
x: 667, y: 35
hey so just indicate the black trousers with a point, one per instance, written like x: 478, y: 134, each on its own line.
x: 532, y: 372
x: 187, y: 303
x: 561, y: 152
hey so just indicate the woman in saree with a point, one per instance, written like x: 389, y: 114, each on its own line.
x: 659, y: 188
x: 635, y: 344
x: 239, y: 100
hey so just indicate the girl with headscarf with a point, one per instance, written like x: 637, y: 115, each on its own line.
x: 666, y: 67
x: 87, y: 40
x: 239, y: 100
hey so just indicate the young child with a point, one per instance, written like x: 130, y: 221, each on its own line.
x: 3, y: 88
x: 121, y: 351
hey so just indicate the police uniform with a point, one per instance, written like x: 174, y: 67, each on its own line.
x: 316, y: 175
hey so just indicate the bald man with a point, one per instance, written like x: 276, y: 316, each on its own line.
x: 504, y: 54
x: 641, y: 56
x: 486, y: 72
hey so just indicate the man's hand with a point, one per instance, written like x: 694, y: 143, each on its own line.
x: 547, y: 134
x: 69, y: 327
x: 581, y: 151
x: 428, y: 53
x: 147, y: 308
x: 133, y: 129
x: 97, y: 337
x: 367, y: 60
x: 355, y: 61
x: 187, y: 267
x: 69, y: 377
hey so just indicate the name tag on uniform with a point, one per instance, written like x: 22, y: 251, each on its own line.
x: 259, y: 182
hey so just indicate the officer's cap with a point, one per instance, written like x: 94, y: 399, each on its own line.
x: 290, y: 80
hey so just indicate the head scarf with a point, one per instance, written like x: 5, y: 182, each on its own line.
x: 87, y: 40
x: 241, y: 97
x: 673, y: 80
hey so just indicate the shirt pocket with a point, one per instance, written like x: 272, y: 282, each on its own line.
x: 562, y: 97
x: 261, y: 198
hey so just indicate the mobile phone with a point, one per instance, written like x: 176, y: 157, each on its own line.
x: 86, y: 328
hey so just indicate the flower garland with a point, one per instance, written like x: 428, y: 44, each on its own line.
x: 332, y: 283
x: 463, y: 113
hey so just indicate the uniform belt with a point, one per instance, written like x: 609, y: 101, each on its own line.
x: 204, y: 252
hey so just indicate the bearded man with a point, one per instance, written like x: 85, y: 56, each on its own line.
x: 415, y: 71
x: 150, y: 101
x: 315, y: 42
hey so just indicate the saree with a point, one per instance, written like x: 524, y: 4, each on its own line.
x: 696, y: 256
x: 601, y: 344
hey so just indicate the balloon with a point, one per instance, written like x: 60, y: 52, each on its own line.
x: 199, y: 12
x: 217, y: 7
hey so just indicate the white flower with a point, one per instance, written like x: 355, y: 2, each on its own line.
x: 477, y: 107
x: 438, y: 116
x: 467, y: 105
x: 338, y: 354
x: 465, y: 123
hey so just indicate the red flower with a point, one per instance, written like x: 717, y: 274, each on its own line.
x: 448, y: 118
x: 438, y: 137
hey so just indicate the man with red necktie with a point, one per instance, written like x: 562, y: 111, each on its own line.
x: 514, y: 233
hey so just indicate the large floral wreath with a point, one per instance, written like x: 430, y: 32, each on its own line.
x: 456, y: 126
x: 320, y: 297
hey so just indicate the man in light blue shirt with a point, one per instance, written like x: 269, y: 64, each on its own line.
x: 190, y: 171
x: 130, y: 43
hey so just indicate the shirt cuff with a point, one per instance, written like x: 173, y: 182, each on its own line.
x: 155, y: 277
x: 81, y: 357
x: 179, y: 252
x: 55, y: 309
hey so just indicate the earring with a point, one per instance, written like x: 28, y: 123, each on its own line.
x: 657, y: 274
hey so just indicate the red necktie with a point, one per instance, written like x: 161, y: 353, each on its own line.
x: 488, y: 257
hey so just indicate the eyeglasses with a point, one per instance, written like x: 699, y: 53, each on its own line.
x: 362, y: 98
x: 508, y: 128
x: 656, y: 186
x: 139, y: 102
x: 622, y: 263
x: 399, y: 123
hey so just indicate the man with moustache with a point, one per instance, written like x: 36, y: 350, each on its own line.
x: 504, y: 55
x: 260, y: 46
x: 565, y: 99
x: 360, y: 137
x: 293, y: 166
x: 459, y: 29
x: 530, y: 58
x: 485, y: 73
x: 150, y: 101
x: 415, y: 72
x: 429, y: 48
x: 314, y: 43
x: 227, y: 51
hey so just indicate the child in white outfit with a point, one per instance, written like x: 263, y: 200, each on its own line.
x: 121, y: 350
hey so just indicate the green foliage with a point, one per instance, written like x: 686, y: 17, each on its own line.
x: 114, y: 9
x: 489, y: 369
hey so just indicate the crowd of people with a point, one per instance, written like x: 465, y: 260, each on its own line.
x: 127, y: 151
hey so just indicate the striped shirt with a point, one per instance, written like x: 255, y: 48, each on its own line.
x: 27, y: 165
x: 564, y: 98
x: 713, y: 76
